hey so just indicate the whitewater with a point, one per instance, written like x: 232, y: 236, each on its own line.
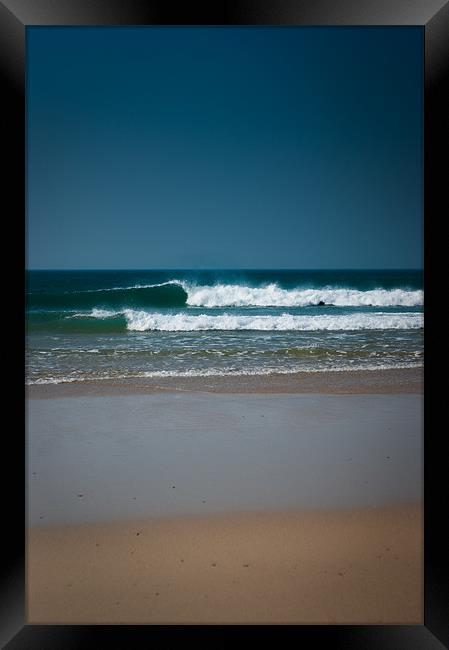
x: 98, y: 325
x: 229, y: 295
x: 141, y: 321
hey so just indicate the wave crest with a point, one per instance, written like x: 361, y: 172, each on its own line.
x: 167, y: 294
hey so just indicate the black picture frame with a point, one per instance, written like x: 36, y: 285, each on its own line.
x: 433, y: 17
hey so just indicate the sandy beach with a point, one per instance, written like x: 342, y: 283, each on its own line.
x: 209, y: 506
x: 354, y: 566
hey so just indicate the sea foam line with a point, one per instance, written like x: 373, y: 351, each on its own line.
x: 134, y: 286
x: 222, y: 372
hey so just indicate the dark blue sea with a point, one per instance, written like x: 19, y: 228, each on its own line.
x: 95, y: 325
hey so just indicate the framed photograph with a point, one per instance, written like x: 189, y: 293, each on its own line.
x: 221, y: 225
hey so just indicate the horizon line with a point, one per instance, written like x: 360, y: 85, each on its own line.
x: 252, y: 268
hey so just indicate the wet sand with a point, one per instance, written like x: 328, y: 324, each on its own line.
x: 150, y: 505
x: 356, y: 567
x: 392, y: 381
x: 104, y: 458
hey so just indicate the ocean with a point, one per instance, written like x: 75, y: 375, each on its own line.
x: 97, y: 325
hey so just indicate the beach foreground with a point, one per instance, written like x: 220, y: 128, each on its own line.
x: 350, y: 566
x: 183, y: 506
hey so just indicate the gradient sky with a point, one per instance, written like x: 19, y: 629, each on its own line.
x: 224, y: 147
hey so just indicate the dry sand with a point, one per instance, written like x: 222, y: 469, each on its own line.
x: 351, y: 566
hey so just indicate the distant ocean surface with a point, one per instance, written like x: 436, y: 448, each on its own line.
x: 94, y: 325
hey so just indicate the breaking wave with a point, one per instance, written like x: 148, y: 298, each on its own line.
x: 229, y: 295
x: 141, y: 321
x: 167, y: 294
x: 180, y: 294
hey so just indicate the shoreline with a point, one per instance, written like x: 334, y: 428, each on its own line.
x: 385, y: 381
x: 247, y: 568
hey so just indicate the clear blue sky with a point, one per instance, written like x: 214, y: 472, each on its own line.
x: 224, y: 147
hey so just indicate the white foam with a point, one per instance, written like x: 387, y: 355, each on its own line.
x: 103, y: 313
x: 222, y: 372
x: 95, y: 313
x: 230, y: 295
x: 142, y: 321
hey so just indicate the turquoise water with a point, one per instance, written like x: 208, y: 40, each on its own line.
x: 93, y: 325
